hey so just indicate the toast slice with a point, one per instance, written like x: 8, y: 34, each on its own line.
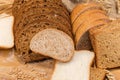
x: 78, y: 68
x: 53, y: 43
x: 6, y: 32
x: 116, y: 73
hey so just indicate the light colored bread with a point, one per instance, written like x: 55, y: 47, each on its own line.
x: 77, y: 69
x: 97, y: 74
x: 86, y: 15
x: 106, y: 45
x: 81, y: 8
x: 6, y: 32
x: 53, y: 43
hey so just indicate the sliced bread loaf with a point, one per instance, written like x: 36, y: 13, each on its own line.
x: 77, y: 69
x: 106, y: 45
x: 49, y: 42
x: 81, y: 8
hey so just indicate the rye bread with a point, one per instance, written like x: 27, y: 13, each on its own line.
x: 18, y: 3
x: 49, y: 16
x: 36, y: 4
x: 22, y: 40
x: 49, y: 42
x: 106, y: 45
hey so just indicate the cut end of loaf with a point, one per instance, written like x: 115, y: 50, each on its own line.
x: 53, y: 43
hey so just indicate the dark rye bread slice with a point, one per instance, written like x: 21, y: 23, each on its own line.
x: 65, y: 28
x: 36, y: 4
x: 18, y: 3
x: 48, y: 16
x: 22, y: 41
x: 53, y: 43
x: 39, y: 11
x: 106, y: 45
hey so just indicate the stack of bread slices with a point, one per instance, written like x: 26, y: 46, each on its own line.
x: 48, y: 21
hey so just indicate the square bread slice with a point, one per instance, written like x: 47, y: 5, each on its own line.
x: 53, y: 43
x: 77, y: 69
x: 6, y: 32
x: 106, y: 44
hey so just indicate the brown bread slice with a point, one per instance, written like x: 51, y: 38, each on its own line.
x: 38, y: 11
x: 116, y: 73
x: 81, y: 8
x: 36, y: 4
x: 18, y: 3
x: 53, y: 43
x: 97, y: 74
x: 22, y: 40
x: 106, y: 45
x: 49, y: 16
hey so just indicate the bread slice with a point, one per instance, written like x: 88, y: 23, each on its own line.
x: 53, y: 43
x: 97, y: 74
x: 81, y: 8
x: 106, y: 45
x: 6, y: 32
x: 77, y: 69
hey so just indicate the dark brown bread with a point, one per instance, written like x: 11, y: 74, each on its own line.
x: 22, y: 40
x: 18, y: 3
x: 49, y: 16
x: 106, y: 45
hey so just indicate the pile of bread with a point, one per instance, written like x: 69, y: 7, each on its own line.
x: 51, y: 43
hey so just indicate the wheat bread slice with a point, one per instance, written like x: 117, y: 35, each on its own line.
x: 81, y: 8
x: 106, y: 45
x: 78, y: 68
x: 53, y: 43
x: 45, y: 16
x: 97, y: 74
x: 86, y: 15
x: 18, y: 3
x: 36, y: 4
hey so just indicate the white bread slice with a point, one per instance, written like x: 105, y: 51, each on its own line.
x: 53, y: 43
x: 77, y: 69
x: 6, y: 32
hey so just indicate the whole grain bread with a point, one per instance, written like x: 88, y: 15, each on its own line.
x: 49, y: 42
x: 106, y: 45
